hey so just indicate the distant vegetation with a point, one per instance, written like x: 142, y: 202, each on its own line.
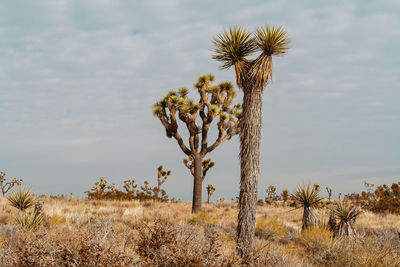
x: 102, y: 190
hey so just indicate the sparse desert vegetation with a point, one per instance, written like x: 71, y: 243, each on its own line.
x: 80, y: 80
x: 83, y: 232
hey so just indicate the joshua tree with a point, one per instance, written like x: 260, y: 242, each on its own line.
x: 215, y: 101
x: 6, y: 186
x: 162, y: 176
x: 271, y: 194
x: 210, y: 191
x: 347, y: 215
x: 285, y: 195
x: 232, y: 47
x: 307, y: 197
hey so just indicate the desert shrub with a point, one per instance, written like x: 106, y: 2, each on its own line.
x: 102, y: 191
x: 270, y: 229
x: 383, y: 199
x: 203, y: 218
x: 166, y: 244
x: 56, y: 219
x: 91, y: 245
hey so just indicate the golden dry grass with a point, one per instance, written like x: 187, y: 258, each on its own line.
x: 81, y: 232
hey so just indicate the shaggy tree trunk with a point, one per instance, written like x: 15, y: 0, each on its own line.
x: 310, y: 218
x: 198, y: 179
x: 250, y: 139
x: 208, y: 198
x: 345, y: 229
x: 332, y: 221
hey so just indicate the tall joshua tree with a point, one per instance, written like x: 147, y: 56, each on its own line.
x: 215, y: 101
x: 232, y: 47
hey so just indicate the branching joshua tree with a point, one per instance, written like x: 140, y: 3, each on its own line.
x: 307, y: 197
x: 210, y: 190
x: 232, y: 47
x: 6, y: 186
x: 215, y: 101
x: 162, y: 176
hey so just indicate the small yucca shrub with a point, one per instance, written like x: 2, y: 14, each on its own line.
x: 308, y: 197
x: 29, y: 220
x: 347, y: 215
x: 22, y: 198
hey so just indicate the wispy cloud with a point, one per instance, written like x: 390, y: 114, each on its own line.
x: 77, y: 81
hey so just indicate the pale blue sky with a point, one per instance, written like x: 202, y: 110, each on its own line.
x: 78, y: 79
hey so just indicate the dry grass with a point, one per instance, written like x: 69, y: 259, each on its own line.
x: 80, y: 232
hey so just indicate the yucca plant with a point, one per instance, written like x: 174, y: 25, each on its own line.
x: 232, y: 48
x: 308, y: 197
x: 347, y: 215
x: 29, y: 220
x: 22, y: 198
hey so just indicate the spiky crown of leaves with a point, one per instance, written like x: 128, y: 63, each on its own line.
x: 345, y: 211
x: 233, y: 45
x: 210, y: 188
x: 307, y: 195
x: 236, y: 43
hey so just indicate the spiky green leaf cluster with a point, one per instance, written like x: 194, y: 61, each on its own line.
x: 22, y: 198
x: 307, y: 196
x: 203, y: 80
x: 210, y: 189
x: 345, y: 211
x: 272, y: 40
x: 233, y: 45
x: 214, y: 110
x: 208, y: 163
x: 183, y: 91
x: 28, y: 220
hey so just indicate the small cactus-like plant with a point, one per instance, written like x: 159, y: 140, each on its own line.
x: 347, y: 215
x: 308, y: 197
x: 210, y: 190
x: 5, y: 185
x: 22, y: 198
x: 29, y: 220
x: 329, y: 191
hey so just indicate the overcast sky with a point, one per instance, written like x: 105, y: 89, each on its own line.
x: 78, y: 80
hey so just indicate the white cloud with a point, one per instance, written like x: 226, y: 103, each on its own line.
x: 78, y: 80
